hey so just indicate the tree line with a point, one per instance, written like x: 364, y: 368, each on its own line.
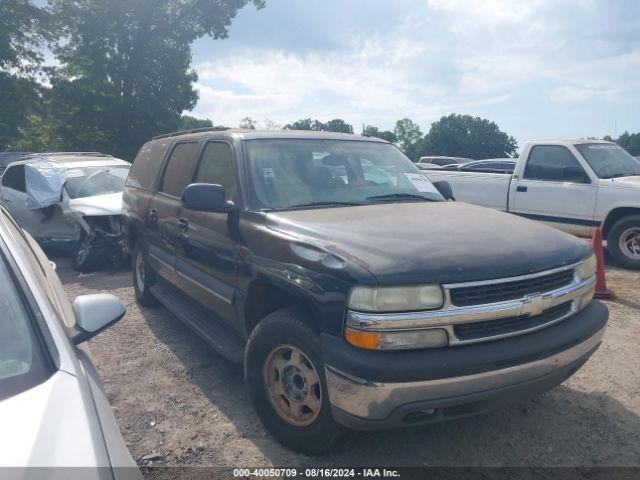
x: 121, y: 74
x: 452, y: 135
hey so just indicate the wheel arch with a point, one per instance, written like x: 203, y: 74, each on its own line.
x: 616, y: 214
x: 264, y: 296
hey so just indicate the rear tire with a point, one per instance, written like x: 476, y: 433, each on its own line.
x: 143, y: 277
x: 623, y: 242
x: 284, y: 373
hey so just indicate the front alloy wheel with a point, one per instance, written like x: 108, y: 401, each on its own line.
x: 623, y: 242
x: 630, y: 243
x: 293, y: 384
x: 284, y: 373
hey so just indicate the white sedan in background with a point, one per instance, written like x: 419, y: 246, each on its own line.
x: 53, y: 410
x: 69, y: 202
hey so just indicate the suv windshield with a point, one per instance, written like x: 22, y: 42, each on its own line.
x: 91, y: 181
x: 22, y: 364
x: 301, y: 173
x: 609, y: 161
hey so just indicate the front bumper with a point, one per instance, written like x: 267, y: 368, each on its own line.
x: 376, y: 390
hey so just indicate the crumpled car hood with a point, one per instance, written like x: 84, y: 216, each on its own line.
x: 110, y: 204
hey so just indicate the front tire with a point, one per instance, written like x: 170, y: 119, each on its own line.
x: 143, y: 277
x: 86, y: 256
x: 284, y: 373
x: 623, y: 242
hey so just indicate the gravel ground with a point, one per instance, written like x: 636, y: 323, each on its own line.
x: 179, y: 403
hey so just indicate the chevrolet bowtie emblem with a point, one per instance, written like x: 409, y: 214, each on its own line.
x: 534, y: 304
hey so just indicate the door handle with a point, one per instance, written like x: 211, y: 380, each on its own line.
x: 7, y: 200
x: 183, y: 224
x: 153, y: 215
x: 521, y: 189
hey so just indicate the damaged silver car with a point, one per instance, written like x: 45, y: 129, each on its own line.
x: 71, y: 203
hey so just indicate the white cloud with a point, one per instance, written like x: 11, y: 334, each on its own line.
x: 463, y: 56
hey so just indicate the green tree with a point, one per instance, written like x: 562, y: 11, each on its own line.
x: 125, y: 71
x: 24, y: 27
x: 187, y: 122
x: 409, y: 138
x: 40, y: 134
x: 373, y: 131
x: 467, y: 136
x: 248, y: 123
x: 338, y: 125
x: 305, y: 124
x: 630, y: 142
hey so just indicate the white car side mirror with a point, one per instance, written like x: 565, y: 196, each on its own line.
x: 94, y: 313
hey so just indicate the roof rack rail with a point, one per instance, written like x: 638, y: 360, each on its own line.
x: 67, y: 154
x: 218, y: 128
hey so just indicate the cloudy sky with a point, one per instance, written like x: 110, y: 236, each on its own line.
x: 540, y: 69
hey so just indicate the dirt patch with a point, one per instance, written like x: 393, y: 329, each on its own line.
x: 179, y: 403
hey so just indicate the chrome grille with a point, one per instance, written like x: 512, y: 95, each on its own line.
x: 510, y: 325
x: 505, y: 291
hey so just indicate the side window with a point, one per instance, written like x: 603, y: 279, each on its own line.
x: 13, y: 178
x: 178, y: 170
x: 40, y: 267
x: 23, y: 364
x: 554, y: 163
x: 147, y: 164
x: 217, y: 166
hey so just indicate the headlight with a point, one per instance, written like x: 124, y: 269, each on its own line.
x: 588, y: 267
x: 396, y: 299
x: 397, y: 340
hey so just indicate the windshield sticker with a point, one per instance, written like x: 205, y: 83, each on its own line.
x: 421, y: 183
x: 268, y: 173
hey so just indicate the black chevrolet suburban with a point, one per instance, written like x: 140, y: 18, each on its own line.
x: 354, y: 293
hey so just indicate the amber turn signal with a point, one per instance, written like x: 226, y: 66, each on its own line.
x: 370, y: 340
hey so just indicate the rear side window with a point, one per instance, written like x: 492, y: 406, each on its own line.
x: 554, y: 163
x: 13, y: 178
x: 23, y: 363
x: 179, y: 167
x: 147, y: 164
x: 217, y: 166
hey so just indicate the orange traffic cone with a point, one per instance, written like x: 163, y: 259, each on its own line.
x: 602, y: 292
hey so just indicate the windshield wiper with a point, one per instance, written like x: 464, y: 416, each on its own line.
x: 409, y: 196
x: 323, y: 204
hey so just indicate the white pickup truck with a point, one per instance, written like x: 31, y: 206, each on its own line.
x: 573, y: 185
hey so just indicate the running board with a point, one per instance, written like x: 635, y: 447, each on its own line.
x: 221, y: 337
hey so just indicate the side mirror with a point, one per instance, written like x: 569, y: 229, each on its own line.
x: 206, y: 197
x: 445, y: 190
x: 94, y: 313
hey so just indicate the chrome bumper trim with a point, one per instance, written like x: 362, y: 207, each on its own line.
x: 450, y: 315
x: 376, y: 401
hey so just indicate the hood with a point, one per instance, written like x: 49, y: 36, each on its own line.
x: 622, y: 182
x: 442, y: 242
x: 110, y: 204
x: 52, y: 425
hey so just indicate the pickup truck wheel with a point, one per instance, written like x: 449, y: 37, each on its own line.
x: 86, y: 257
x: 284, y: 373
x: 623, y: 242
x: 143, y: 277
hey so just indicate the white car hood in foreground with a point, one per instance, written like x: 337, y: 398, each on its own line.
x: 50, y: 425
x: 110, y: 204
